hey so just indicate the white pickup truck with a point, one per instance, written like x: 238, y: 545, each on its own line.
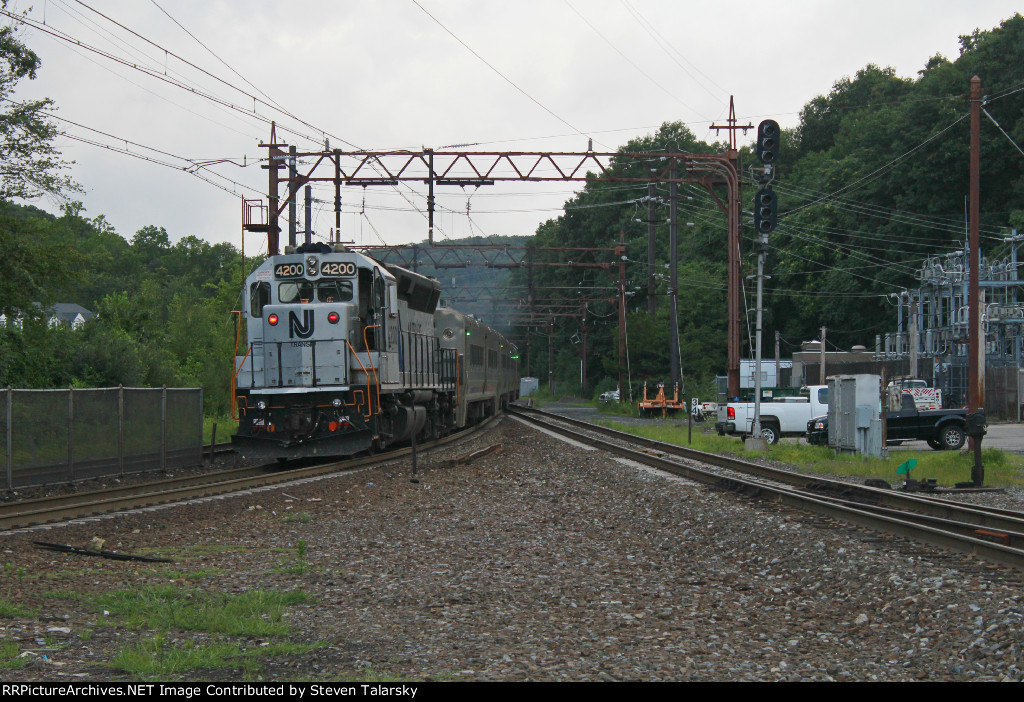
x: 781, y: 417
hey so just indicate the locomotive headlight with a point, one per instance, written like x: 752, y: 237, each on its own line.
x: 333, y: 318
x: 336, y: 402
x: 261, y: 404
x: 272, y: 320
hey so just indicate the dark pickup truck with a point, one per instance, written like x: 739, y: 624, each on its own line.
x: 942, y: 429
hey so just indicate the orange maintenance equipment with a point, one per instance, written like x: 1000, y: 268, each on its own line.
x: 648, y: 406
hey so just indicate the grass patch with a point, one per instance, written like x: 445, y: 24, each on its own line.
x: 1002, y: 469
x: 165, y: 607
x: 156, y: 658
x: 9, y: 652
x: 300, y: 517
x: 226, y: 426
x: 173, y: 574
x: 10, y: 610
x: 623, y: 408
x: 202, y: 549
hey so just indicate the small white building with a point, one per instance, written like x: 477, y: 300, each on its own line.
x: 67, y: 313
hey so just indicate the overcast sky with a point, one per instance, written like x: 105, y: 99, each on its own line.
x: 384, y: 74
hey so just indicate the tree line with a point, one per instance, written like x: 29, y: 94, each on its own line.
x: 871, y: 180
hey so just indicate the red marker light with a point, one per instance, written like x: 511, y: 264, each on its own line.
x: 272, y: 319
x: 333, y: 317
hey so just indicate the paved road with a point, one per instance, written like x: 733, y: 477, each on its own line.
x: 1005, y: 436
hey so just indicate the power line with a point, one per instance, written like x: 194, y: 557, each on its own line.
x: 664, y: 45
x: 212, y: 53
x: 63, y: 36
x: 629, y: 60
x: 877, y: 172
x: 500, y: 74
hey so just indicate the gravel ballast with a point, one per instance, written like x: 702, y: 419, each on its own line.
x: 543, y: 561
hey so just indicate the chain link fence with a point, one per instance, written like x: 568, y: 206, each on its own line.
x: 58, y: 436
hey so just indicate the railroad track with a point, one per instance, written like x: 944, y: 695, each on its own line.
x: 26, y: 513
x: 995, y: 535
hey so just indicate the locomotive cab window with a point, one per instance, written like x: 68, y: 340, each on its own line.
x: 259, y: 295
x: 334, y: 291
x: 295, y: 291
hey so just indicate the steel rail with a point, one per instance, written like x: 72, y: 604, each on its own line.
x: 904, y: 525
x: 183, y: 481
x: 63, y: 507
x: 983, y: 517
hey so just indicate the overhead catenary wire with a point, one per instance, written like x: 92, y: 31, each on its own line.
x: 214, y: 54
x: 669, y: 48
x: 630, y: 61
x: 165, y: 77
x: 255, y: 98
x: 508, y: 80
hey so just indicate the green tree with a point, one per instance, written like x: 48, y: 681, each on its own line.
x: 30, y: 165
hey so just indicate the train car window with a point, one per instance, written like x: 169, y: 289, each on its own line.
x: 259, y: 295
x: 334, y: 290
x: 294, y: 291
x: 492, y: 359
x: 476, y: 355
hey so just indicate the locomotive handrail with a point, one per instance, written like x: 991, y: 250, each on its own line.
x: 234, y: 376
x: 367, y: 374
x: 234, y: 381
x: 421, y: 358
x: 376, y: 377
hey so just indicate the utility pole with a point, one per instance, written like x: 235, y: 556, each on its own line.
x: 620, y: 253
x: 652, y: 300
x: 778, y: 362
x: 673, y: 246
x: 914, y: 335
x: 292, y: 187
x: 309, y: 215
x: 821, y: 379
x: 529, y: 300
x: 551, y: 357
x: 337, y: 195
x: 976, y: 372
x: 762, y: 244
x: 766, y: 213
x: 583, y: 360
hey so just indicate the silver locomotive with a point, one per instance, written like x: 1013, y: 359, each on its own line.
x: 345, y: 354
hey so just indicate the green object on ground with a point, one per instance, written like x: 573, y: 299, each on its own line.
x: 905, y: 468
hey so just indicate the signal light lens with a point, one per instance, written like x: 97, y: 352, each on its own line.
x: 333, y: 318
x: 272, y: 320
x: 767, y: 147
